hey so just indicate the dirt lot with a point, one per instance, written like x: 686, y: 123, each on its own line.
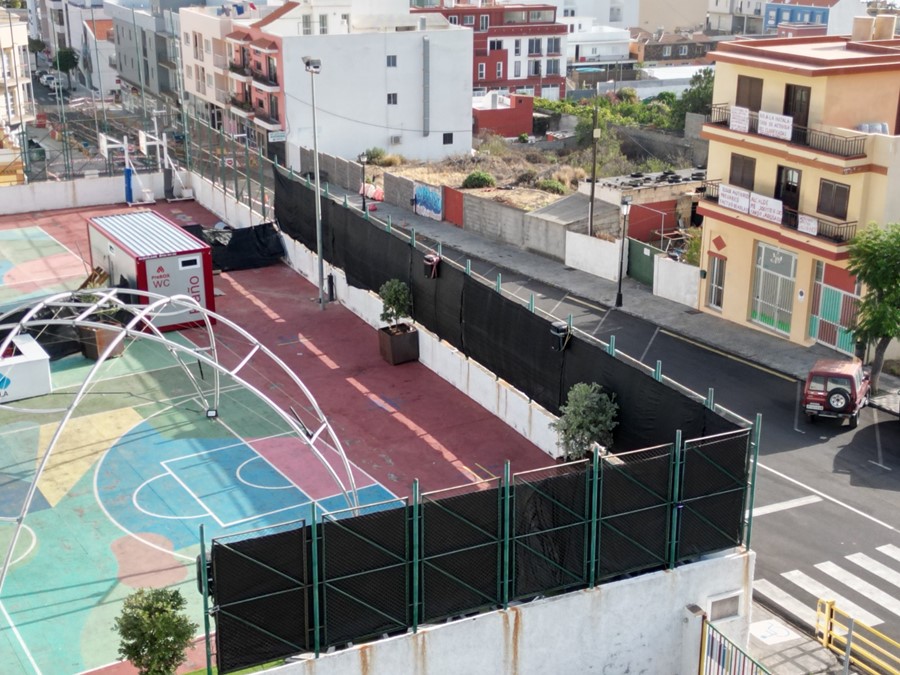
x: 515, y: 171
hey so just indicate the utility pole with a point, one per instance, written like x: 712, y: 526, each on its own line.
x: 595, y: 136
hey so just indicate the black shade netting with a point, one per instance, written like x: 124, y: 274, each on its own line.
x: 511, y: 342
x: 551, y: 534
x: 461, y: 554
x: 633, y: 542
x: 295, y: 209
x: 715, y: 465
x: 709, y: 524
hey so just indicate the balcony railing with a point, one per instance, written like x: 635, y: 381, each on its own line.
x: 262, y: 116
x: 822, y: 228
x: 219, y: 61
x: 842, y: 146
x: 246, y: 106
x: 263, y: 78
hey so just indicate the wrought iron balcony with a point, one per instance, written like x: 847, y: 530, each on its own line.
x: 842, y: 146
x: 817, y: 226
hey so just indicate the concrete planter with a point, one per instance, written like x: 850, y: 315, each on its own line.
x: 399, y: 344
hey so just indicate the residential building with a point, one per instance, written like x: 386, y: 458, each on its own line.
x: 790, y: 29
x: 518, y: 48
x: 803, y: 151
x: 16, y: 103
x: 60, y: 21
x: 508, y: 116
x: 661, y: 48
x: 595, y: 44
x: 97, y: 61
x: 650, y: 15
x: 727, y: 17
x: 837, y: 15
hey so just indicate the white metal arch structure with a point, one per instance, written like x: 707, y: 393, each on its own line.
x: 81, y: 308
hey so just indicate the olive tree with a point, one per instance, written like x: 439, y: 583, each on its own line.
x: 875, y: 260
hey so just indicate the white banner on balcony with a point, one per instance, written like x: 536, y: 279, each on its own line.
x: 808, y: 224
x: 734, y: 198
x: 776, y: 126
x: 739, y: 120
x: 766, y: 208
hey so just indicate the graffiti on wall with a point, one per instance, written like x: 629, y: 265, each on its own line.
x: 427, y: 201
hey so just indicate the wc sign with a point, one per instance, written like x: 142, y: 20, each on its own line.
x: 161, y: 279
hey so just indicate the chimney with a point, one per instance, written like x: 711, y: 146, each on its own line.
x: 862, y: 28
x: 884, y: 27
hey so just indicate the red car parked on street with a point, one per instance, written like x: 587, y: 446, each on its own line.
x: 838, y: 389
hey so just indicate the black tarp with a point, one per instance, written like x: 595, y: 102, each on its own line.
x: 242, y: 248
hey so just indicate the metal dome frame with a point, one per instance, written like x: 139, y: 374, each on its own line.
x: 80, y: 309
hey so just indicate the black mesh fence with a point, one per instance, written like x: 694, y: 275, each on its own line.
x: 261, y: 590
x: 461, y: 552
x: 365, y: 567
x: 551, y: 534
x: 635, y: 512
x: 713, y: 490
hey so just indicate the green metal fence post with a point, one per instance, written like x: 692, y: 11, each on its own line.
x: 611, y: 347
x: 675, y: 498
x: 346, y: 204
x: 415, y: 555
x: 388, y: 224
x: 314, y: 530
x: 220, y: 157
x: 412, y: 237
x: 468, y: 267
x: 507, y: 534
x: 531, y: 303
x: 711, y: 399
x: 440, y: 249
x: 498, y: 285
x: 247, y: 173
x: 569, y: 322
x: 657, y: 372
x: 595, y: 515
x: 754, y: 453
x: 205, y: 586
x: 262, y: 184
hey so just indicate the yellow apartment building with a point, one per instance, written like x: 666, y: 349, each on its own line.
x: 803, y: 153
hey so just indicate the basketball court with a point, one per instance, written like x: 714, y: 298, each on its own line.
x: 140, y: 467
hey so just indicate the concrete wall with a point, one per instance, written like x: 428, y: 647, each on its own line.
x: 676, y: 281
x: 494, y: 220
x: 214, y: 198
x: 398, y: 191
x: 637, y: 625
x: 641, y: 142
x: 693, y: 125
x: 599, y: 257
x: 78, y: 193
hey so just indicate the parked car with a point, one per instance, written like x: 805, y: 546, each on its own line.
x: 50, y: 75
x: 836, y: 389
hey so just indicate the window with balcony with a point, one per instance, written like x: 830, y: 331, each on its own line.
x: 787, y: 187
x: 514, y: 17
x: 833, y: 199
x: 540, y: 16
x: 715, y: 290
x: 749, y: 93
x: 534, y: 47
x: 743, y: 171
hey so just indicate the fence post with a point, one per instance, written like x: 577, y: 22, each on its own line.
x: 262, y: 184
x: 531, y: 304
x: 711, y: 399
x: 754, y: 457
x: 704, y: 631
x: 415, y: 556
x: 314, y: 530
x: 507, y: 494
x: 596, y: 494
x: 205, y: 585
x: 849, y: 648
x: 825, y: 639
x: 412, y: 237
x: 388, y: 224
x: 657, y: 372
x: 611, y: 347
x: 468, y: 267
x: 498, y: 285
x: 677, y: 459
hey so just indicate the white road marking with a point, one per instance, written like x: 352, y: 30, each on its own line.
x: 829, y: 498
x: 803, y: 612
x: 891, y: 551
x: 821, y: 591
x: 647, y: 348
x: 785, y: 505
x: 878, y: 569
x: 861, y: 586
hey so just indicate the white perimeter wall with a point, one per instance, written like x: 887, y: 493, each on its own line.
x: 638, y: 625
x: 72, y: 194
x: 676, y: 281
x: 351, y: 93
x: 594, y: 256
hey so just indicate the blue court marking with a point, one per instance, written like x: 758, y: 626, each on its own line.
x: 213, y: 479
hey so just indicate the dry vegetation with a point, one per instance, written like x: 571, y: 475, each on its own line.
x: 516, y: 167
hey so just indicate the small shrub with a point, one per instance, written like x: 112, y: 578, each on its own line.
x: 534, y: 157
x: 479, y: 179
x: 396, y: 301
x: 589, y: 416
x: 550, y: 185
x: 391, y: 160
x: 526, y: 177
x: 692, y: 246
x: 523, y: 138
x: 153, y: 630
x: 375, y: 155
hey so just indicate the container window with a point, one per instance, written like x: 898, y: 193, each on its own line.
x: 187, y: 263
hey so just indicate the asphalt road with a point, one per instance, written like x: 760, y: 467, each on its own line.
x: 827, y: 498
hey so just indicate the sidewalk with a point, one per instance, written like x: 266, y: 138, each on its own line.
x: 751, y: 345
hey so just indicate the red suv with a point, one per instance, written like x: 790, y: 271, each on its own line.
x: 835, y: 389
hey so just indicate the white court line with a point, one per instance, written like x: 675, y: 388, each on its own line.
x: 828, y: 498
x: 254, y: 485
x: 861, y: 586
x: 814, y: 588
x: 878, y: 569
x: 891, y: 551
x: 19, y: 639
x: 803, y: 612
x: 134, y: 500
x: 785, y: 505
x: 196, y: 498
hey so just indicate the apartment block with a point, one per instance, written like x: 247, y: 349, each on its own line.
x: 16, y: 104
x: 803, y: 153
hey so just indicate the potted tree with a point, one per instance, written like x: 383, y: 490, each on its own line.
x: 588, y: 417
x: 398, y: 341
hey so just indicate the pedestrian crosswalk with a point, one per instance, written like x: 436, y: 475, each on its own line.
x: 866, y: 585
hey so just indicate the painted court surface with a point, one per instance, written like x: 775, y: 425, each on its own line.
x: 140, y: 468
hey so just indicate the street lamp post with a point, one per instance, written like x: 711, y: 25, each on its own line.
x: 626, y: 208
x: 313, y: 66
x: 363, y: 158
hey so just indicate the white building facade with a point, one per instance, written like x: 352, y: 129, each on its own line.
x: 16, y: 100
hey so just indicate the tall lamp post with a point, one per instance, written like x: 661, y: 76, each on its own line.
x: 626, y: 208
x: 313, y: 66
x: 363, y: 158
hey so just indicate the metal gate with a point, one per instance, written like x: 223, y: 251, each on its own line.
x: 640, y: 261
x: 832, y: 315
x: 773, y: 288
